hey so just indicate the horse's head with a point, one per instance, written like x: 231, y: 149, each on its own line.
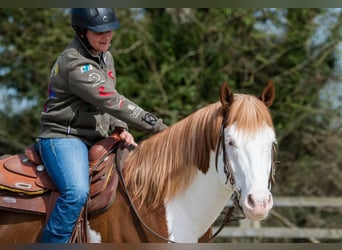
x: 248, y: 140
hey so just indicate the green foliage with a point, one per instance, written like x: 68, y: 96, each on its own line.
x: 30, y: 39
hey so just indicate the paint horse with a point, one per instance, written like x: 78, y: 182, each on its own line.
x: 177, y: 182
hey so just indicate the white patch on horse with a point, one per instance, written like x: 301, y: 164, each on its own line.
x: 93, y: 236
x: 190, y: 214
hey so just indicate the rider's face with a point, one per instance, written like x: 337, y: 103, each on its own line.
x: 100, y: 41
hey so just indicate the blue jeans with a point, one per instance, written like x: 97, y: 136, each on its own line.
x: 66, y: 161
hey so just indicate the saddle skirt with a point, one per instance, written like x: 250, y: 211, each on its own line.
x: 25, y: 185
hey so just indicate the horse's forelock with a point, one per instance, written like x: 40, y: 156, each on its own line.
x: 249, y: 114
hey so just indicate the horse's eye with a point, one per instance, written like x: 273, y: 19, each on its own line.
x: 231, y: 143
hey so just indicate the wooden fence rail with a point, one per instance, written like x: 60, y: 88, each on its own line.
x: 249, y: 229
x: 308, y: 202
x: 280, y: 232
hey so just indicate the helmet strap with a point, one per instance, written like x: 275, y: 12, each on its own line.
x: 85, y: 43
x: 82, y: 35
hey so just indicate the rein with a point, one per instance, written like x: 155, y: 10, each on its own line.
x: 119, y: 171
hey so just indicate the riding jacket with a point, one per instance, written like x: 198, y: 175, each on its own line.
x: 83, y: 101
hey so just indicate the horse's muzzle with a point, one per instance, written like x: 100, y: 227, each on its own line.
x: 256, y: 205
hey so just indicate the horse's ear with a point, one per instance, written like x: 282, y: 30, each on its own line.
x: 268, y: 94
x: 226, y: 96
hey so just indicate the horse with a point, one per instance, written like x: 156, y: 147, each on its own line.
x: 176, y: 183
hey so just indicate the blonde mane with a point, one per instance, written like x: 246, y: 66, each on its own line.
x: 166, y: 163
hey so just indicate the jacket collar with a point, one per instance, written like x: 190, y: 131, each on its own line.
x: 98, y: 58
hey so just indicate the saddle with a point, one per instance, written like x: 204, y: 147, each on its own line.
x: 26, y: 187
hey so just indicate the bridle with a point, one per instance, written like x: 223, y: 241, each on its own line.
x: 235, y: 212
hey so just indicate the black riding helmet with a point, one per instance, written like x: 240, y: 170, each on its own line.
x: 94, y: 19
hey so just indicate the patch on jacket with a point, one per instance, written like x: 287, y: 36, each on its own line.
x: 86, y: 68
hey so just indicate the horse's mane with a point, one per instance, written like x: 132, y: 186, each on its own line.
x: 166, y: 163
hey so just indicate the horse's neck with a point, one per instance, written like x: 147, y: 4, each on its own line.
x: 191, y: 213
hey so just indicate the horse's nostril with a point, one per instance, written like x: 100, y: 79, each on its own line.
x: 251, y: 201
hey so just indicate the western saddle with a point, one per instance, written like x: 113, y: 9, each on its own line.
x: 25, y: 186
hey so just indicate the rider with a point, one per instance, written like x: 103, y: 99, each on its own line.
x: 83, y: 106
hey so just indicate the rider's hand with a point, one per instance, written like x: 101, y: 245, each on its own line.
x: 128, y: 138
